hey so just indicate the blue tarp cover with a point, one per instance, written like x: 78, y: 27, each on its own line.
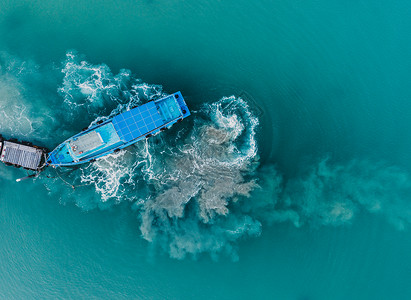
x: 137, y: 122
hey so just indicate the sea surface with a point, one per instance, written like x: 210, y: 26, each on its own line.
x: 291, y: 179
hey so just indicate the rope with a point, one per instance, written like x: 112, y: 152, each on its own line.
x: 45, y: 164
x: 71, y: 185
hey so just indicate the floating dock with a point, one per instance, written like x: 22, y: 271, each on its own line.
x: 21, y: 154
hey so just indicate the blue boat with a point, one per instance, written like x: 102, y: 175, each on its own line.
x: 119, y: 132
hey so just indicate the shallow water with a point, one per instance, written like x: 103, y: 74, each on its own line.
x: 291, y: 179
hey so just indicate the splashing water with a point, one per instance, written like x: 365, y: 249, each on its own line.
x: 93, y: 89
x: 197, y: 181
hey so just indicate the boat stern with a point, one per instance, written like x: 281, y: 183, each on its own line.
x: 183, y: 106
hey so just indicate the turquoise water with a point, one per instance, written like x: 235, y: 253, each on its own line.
x: 291, y: 180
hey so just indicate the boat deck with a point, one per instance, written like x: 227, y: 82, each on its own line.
x: 85, y: 143
x: 94, y: 141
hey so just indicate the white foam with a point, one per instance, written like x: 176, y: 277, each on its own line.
x: 110, y: 174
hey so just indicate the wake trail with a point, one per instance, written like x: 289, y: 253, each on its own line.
x: 200, y: 187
